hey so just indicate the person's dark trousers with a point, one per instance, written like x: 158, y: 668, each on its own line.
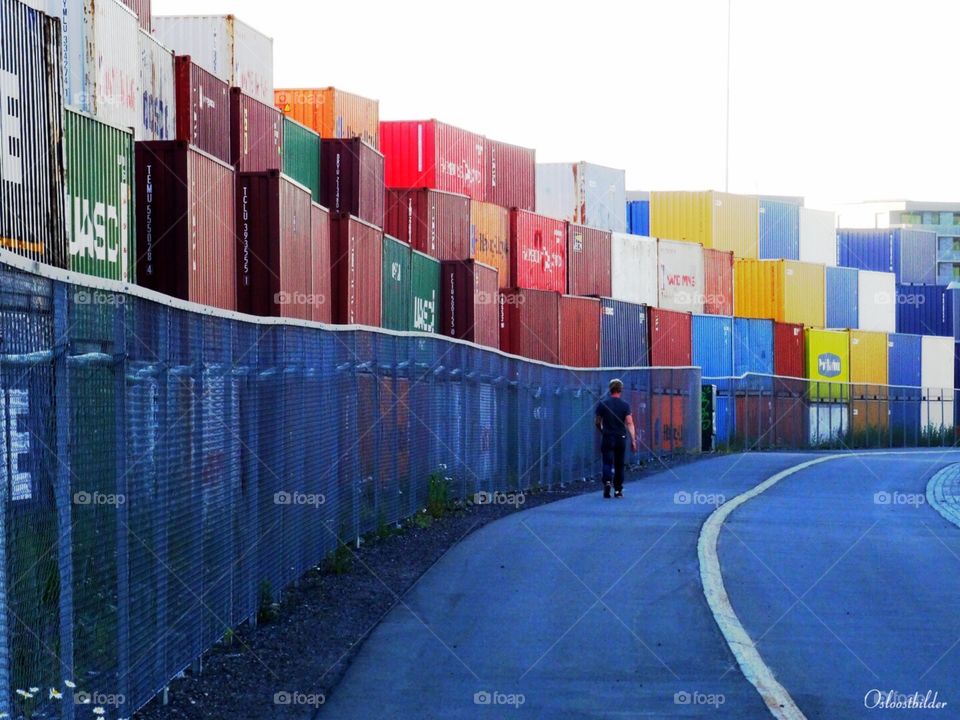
x: 613, y: 449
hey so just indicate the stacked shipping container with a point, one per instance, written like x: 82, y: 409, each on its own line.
x: 332, y: 113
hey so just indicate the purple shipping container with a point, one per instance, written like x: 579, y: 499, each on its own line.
x: 470, y: 302
x: 351, y: 179
x: 624, y: 340
x: 256, y: 134
x: 511, y: 175
x: 434, y: 222
x: 357, y: 270
x: 203, y: 108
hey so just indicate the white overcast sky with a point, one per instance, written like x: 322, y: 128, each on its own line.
x: 834, y: 100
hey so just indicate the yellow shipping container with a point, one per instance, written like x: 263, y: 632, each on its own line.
x: 490, y: 237
x: 722, y: 221
x: 331, y: 112
x: 828, y: 361
x: 869, y: 375
x: 783, y: 290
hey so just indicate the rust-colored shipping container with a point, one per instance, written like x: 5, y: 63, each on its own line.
x: 274, y: 273
x: 185, y: 223
x: 538, y: 250
x: 203, y: 108
x: 143, y: 11
x: 511, y: 175
x: 256, y: 134
x: 588, y: 261
x: 434, y: 222
x: 788, y: 350
x: 357, y: 270
x: 530, y: 323
x: 331, y: 112
x: 351, y: 179
x: 718, y: 282
x: 490, y: 237
x: 470, y: 302
x: 579, y: 332
x: 320, y: 263
x: 772, y: 420
x: 670, y: 338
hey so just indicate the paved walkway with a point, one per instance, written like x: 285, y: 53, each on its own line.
x: 943, y: 493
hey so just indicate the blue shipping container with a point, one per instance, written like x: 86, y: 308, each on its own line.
x: 712, y: 348
x: 752, y: 346
x: 842, y: 301
x: 638, y: 217
x: 779, y: 230
x: 908, y: 253
x: 623, y: 334
x: 927, y: 310
x: 904, y: 378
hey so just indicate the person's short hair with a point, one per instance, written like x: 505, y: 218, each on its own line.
x: 616, y: 385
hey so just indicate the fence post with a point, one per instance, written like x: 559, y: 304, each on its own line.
x: 122, y: 539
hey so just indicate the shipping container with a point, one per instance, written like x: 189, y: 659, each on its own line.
x: 788, y: 350
x: 100, y: 221
x: 937, y: 377
x: 538, y: 250
x: 583, y: 193
x: 782, y: 290
x: 588, y: 261
x: 753, y: 344
x: 877, y: 301
x: 718, y: 282
x: 904, y: 360
x: 842, y: 307
x: 225, y: 46
x: 256, y: 134
x: 715, y: 220
x: 530, y: 323
x: 356, y: 268
x: 927, y: 310
x: 351, y: 179
x: 424, y: 293
x: 157, y: 91
x: 433, y: 222
x: 828, y: 423
x: 903, y: 371
x: 301, y: 155
x: 670, y: 337
x: 432, y: 154
x: 511, y: 175
x: 490, y: 237
x: 31, y: 174
x: 818, y: 236
x: 579, y: 333
x: 638, y: 217
x: 828, y: 363
x: 186, y: 242
x: 712, y: 345
x: 779, y: 230
x: 633, y: 269
x: 470, y: 305
x: 624, y: 338
x: 680, y: 276
x: 203, y: 109
x: 321, y: 258
x: 395, y: 299
x: 910, y: 254
x: 332, y: 113
x: 141, y: 8
x: 869, y: 408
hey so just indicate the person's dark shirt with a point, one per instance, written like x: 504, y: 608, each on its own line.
x: 613, y: 414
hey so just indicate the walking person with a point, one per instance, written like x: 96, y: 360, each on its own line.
x: 614, y: 421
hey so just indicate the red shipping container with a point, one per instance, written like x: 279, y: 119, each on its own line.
x: 274, y: 274
x: 538, y: 250
x: 357, y: 269
x: 579, y: 332
x: 256, y: 134
x: 203, y: 108
x: 530, y: 323
x: 788, y: 350
x: 185, y: 223
x: 511, y: 175
x: 718, y: 282
x: 670, y: 338
x: 351, y: 179
x: 320, y: 264
x: 470, y: 302
x: 429, y: 153
x: 142, y: 9
x: 588, y: 261
x: 432, y: 221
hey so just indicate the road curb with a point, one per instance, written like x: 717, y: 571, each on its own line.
x: 943, y: 493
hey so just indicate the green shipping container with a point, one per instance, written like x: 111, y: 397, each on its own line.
x: 396, y: 312
x: 424, y: 292
x: 100, y: 215
x: 301, y: 155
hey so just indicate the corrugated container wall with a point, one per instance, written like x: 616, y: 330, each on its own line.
x: 877, y: 295
x: 903, y: 372
x: 788, y: 350
x: 31, y: 174
x: 203, y: 109
x: 842, y: 298
x: 301, y: 155
x: 186, y: 245
x: 579, y: 334
x: 424, y: 293
x: 903, y: 366
x: 538, y: 249
x: 868, y: 357
x: 511, y: 175
x: 869, y: 405
x: 927, y: 310
x: 229, y: 48
x: 432, y: 222
x: 583, y: 193
x: 722, y: 221
x: 357, y: 269
x: 910, y: 254
x: 490, y: 237
x: 432, y: 154
x: 588, y: 261
x: 712, y: 348
x: 142, y: 10
x: 818, y: 236
x: 321, y: 258
x: 670, y: 336
x: 332, y: 113
x: 100, y: 221
x: 782, y: 290
x: 633, y: 269
x: 624, y: 338
x: 116, y: 50
x: 638, y: 217
x: 753, y: 347
x: 256, y: 134
x: 828, y: 361
x: 470, y: 304
x: 157, y: 96
x: 937, y: 411
x: 779, y: 230
x: 351, y: 179
x: 395, y: 301
x: 718, y: 282
x: 680, y: 273
x: 530, y: 323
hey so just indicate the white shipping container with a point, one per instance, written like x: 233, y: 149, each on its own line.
x: 818, y: 236
x: 936, y: 377
x: 583, y: 193
x: 633, y: 269
x: 877, y: 294
x: 829, y: 422
x: 224, y: 46
x: 157, y: 100
x: 680, y: 281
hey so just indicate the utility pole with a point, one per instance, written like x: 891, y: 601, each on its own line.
x: 726, y: 183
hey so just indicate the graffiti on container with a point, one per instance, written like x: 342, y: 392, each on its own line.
x: 17, y: 443
x: 425, y: 313
x: 97, y: 230
x: 156, y: 116
x: 829, y: 365
x: 119, y: 88
x: 680, y: 280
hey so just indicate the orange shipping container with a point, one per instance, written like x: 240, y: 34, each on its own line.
x: 332, y: 113
x: 490, y: 238
x: 784, y: 290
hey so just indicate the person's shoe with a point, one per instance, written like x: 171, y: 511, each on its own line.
x: 606, y: 490
x: 619, y: 494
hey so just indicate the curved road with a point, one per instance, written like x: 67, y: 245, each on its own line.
x: 589, y: 608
